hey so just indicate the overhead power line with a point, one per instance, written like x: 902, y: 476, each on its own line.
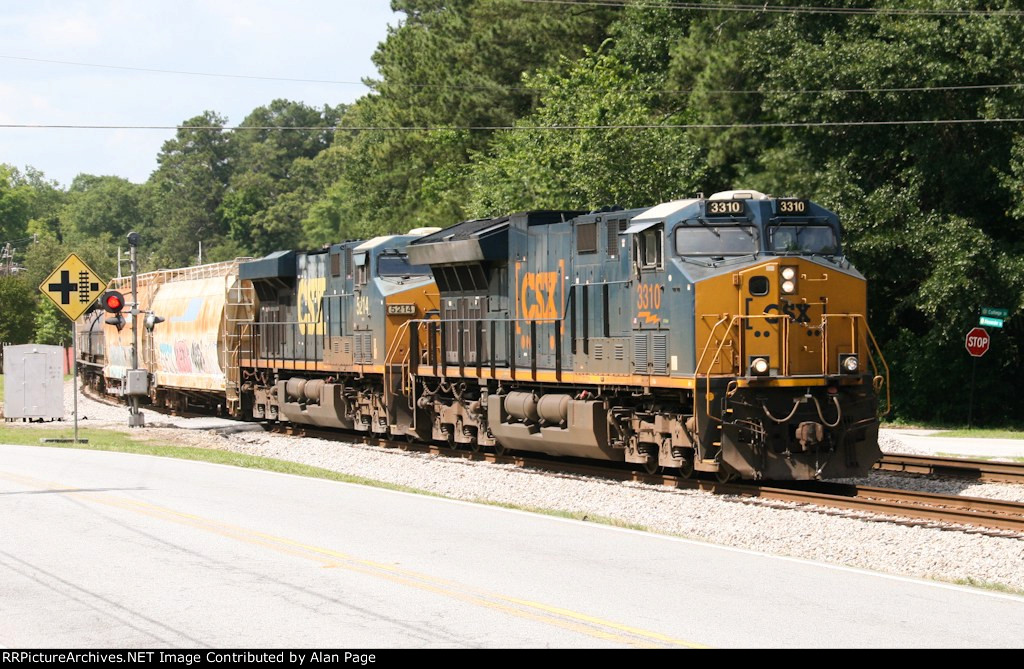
x: 670, y: 126
x: 531, y: 89
x: 191, y: 73
x: 787, y: 9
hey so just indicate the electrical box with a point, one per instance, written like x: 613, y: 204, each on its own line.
x: 137, y: 382
x: 34, y: 382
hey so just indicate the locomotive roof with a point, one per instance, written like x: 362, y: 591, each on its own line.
x: 461, y: 230
x: 660, y: 212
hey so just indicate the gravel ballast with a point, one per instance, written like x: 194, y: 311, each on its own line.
x: 783, y: 529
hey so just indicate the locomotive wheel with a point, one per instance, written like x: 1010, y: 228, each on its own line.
x: 651, y: 466
x: 723, y: 476
x: 686, y: 469
x: 499, y: 449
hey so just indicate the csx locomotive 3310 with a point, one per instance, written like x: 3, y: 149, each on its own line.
x: 724, y: 335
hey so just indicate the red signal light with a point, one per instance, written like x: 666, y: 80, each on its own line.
x: 113, y: 301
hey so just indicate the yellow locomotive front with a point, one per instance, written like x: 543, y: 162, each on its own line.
x: 786, y: 373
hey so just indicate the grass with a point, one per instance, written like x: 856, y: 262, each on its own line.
x: 111, y: 440
x: 988, y: 585
x: 979, y: 433
x: 959, y: 430
x: 999, y: 458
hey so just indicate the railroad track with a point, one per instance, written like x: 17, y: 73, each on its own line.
x: 979, y: 470
x: 969, y: 514
x: 907, y: 507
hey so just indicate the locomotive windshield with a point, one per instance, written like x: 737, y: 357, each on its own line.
x: 392, y: 264
x: 716, y: 240
x: 803, y: 239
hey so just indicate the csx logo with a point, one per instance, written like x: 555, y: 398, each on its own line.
x: 310, y: 294
x: 537, y: 292
x: 796, y: 312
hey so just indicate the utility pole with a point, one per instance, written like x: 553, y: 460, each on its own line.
x: 7, y: 255
x: 135, y: 419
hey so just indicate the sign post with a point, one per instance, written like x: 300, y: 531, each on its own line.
x: 72, y: 287
x: 977, y: 343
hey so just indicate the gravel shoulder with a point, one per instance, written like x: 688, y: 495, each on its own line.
x: 852, y: 539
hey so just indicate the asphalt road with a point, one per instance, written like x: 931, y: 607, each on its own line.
x: 108, y: 549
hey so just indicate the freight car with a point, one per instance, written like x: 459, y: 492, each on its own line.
x: 191, y: 356
x: 723, y: 334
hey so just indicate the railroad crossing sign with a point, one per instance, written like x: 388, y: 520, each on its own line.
x: 73, y: 286
x: 977, y: 342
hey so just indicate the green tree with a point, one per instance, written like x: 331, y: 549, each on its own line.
x: 449, y: 63
x: 556, y: 166
x: 17, y: 304
x: 929, y: 209
x: 269, y: 196
x: 16, y: 202
x: 185, y: 192
x: 50, y: 325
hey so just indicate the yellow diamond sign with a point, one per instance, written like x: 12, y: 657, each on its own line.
x: 73, y: 286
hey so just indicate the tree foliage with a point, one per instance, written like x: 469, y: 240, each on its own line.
x: 933, y: 211
x: 17, y: 303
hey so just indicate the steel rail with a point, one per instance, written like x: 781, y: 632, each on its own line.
x: 980, y: 470
x: 987, y: 514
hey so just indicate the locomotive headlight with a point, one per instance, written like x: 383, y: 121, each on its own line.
x: 759, y: 366
x: 848, y: 363
x: 788, y: 280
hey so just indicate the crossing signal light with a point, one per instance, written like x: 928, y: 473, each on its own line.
x: 152, y: 320
x: 113, y: 303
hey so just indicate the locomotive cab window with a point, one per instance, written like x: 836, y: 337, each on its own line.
x: 648, y: 248
x: 803, y: 239
x: 362, y: 269
x: 397, y: 265
x: 703, y: 239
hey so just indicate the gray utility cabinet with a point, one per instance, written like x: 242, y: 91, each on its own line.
x: 34, y: 382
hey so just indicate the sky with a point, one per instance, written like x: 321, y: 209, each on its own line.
x: 296, y: 39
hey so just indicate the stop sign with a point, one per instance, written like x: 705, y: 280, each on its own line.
x: 977, y: 342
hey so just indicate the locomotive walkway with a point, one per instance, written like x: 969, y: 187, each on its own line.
x: 109, y: 549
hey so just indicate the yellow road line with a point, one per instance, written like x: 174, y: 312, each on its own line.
x: 521, y: 608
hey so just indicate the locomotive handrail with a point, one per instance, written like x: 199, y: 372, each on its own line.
x: 390, y: 355
x: 736, y: 318
x: 873, y: 349
x: 872, y: 346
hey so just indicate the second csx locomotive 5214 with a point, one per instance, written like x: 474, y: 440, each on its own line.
x: 723, y: 334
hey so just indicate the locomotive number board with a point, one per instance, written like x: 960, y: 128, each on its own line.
x: 725, y: 208
x: 401, y: 310
x: 792, y: 207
